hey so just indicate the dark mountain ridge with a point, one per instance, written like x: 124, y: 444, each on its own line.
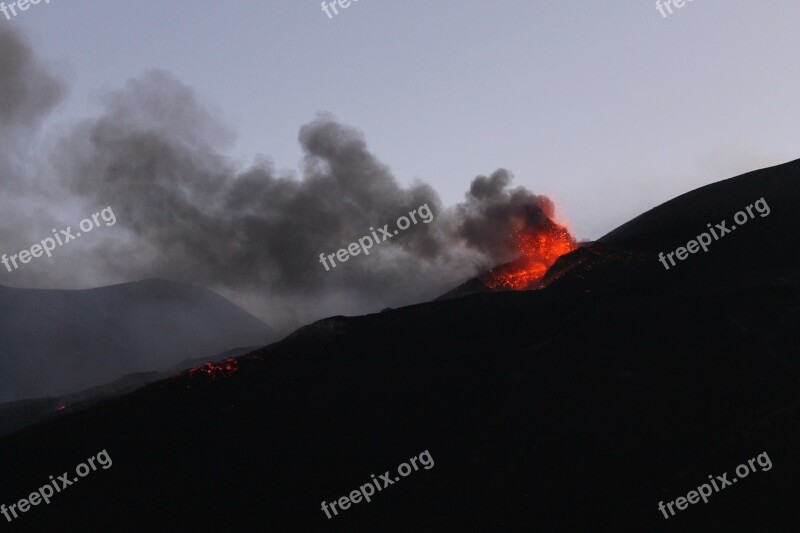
x: 577, y: 407
x: 21, y: 413
x: 629, y: 255
x: 55, y: 342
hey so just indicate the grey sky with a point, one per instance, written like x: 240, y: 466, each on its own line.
x: 606, y: 106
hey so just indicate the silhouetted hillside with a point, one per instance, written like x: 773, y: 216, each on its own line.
x: 53, y: 342
x: 760, y: 251
x: 577, y: 407
x: 21, y: 413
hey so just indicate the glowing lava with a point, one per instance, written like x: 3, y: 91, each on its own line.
x: 539, y: 251
x: 217, y: 370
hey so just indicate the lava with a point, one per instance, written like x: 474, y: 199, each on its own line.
x: 217, y: 370
x: 539, y: 250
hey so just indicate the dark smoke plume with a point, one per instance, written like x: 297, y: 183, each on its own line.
x: 28, y: 93
x: 186, y: 212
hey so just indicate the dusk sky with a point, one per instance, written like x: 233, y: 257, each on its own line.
x: 608, y: 107
x: 532, y: 260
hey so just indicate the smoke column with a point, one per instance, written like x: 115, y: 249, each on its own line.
x: 186, y: 212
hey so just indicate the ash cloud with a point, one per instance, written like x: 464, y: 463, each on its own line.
x: 28, y: 93
x: 493, y: 213
x: 185, y: 210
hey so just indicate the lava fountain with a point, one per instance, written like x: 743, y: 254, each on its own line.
x: 539, y: 248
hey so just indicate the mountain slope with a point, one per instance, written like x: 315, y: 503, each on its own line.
x: 54, y: 342
x: 577, y: 407
x: 15, y: 415
x: 762, y: 250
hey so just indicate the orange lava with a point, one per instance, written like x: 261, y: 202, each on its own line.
x: 539, y: 252
x: 217, y: 370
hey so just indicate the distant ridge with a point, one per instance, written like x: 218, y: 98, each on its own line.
x: 53, y: 342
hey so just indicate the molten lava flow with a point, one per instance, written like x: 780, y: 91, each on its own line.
x: 539, y: 251
x: 217, y: 370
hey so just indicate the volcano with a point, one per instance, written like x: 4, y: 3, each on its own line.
x: 538, y: 250
x: 578, y: 406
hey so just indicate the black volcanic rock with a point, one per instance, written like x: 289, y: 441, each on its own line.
x: 54, y: 342
x: 577, y: 407
x: 764, y: 250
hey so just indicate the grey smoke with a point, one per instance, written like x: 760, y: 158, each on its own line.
x: 492, y: 214
x: 186, y: 212
x: 28, y: 93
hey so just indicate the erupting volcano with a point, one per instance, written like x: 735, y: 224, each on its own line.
x: 539, y: 251
x: 538, y: 241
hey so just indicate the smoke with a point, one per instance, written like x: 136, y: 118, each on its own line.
x: 28, y: 93
x: 492, y: 215
x: 185, y: 211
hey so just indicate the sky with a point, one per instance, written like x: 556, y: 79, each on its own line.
x: 608, y: 108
